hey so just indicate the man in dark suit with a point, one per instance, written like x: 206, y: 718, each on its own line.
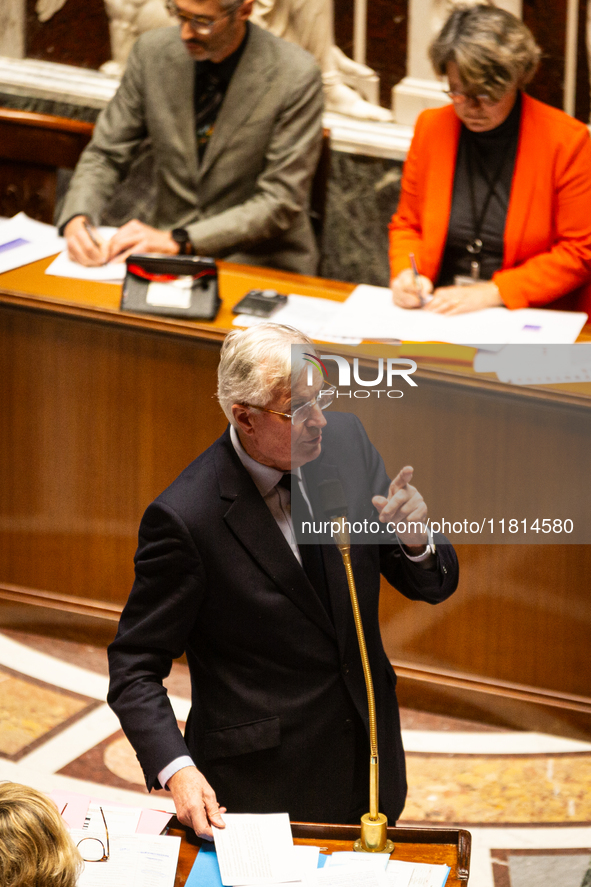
x: 234, y: 116
x: 279, y: 713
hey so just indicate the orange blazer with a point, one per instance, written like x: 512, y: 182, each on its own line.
x: 547, y: 252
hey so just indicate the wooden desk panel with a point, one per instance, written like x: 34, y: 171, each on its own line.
x: 101, y: 410
x: 441, y: 846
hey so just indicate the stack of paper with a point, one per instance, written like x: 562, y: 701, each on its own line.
x: 538, y: 364
x: 369, y: 313
x: 139, y: 856
x: 23, y: 240
x: 112, y: 272
x: 258, y: 850
x: 313, y: 317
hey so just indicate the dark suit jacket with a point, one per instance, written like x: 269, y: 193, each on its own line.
x: 248, y: 200
x: 276, y: 685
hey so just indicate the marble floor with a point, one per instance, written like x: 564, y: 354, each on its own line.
x: 525, y: 797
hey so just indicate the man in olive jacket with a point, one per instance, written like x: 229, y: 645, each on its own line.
x: 236, y: 188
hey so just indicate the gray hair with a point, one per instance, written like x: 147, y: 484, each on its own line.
x: 231, y: 4
x: 494, y: 50
x: 255, y: 363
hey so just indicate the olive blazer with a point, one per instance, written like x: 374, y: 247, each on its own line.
x: 248, y: 199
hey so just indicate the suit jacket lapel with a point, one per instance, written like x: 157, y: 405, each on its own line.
x: 177, y: 73
x: 253, y: 524
x: 245, y: 90
x: 338, y: 589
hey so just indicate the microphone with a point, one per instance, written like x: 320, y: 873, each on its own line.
x: 374, y: 825
x: 334, y: 505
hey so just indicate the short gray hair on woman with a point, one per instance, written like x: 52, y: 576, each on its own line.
x: 494, y: 50
x: 255, y: 363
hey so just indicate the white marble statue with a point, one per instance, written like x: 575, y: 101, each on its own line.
x: 309, y: 23
x: 127, y: 20
x: 347, y: 84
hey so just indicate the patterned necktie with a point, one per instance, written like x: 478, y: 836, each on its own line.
x: 310, y: 553
x: 207, y: 106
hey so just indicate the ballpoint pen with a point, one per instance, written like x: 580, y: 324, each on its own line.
x: 91, y: 231
x: 417, y: 279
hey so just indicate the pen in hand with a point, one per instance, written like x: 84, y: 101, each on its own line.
x: 93, y: 234
x: 417, y: 279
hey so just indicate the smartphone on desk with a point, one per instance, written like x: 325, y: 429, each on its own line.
x: 261, y: 303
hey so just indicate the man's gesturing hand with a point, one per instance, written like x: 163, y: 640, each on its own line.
x: 404, y: 505
x: 195, y: 802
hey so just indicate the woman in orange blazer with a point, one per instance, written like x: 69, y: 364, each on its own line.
x: 543, y: 223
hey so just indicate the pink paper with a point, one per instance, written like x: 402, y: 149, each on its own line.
x: 76, y: 806
x: 151, y: 822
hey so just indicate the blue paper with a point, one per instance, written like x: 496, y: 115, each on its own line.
x: 205, y: 871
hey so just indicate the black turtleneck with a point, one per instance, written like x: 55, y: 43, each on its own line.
x: 478, y: 159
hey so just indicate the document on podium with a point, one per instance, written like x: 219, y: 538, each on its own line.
x: 256, y: 848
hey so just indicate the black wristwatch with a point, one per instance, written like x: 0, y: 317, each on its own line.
x: 181, y: 236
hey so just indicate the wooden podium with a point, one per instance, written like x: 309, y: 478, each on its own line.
x: 448, y: 846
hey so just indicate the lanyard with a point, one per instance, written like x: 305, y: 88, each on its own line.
x: 474, y: 247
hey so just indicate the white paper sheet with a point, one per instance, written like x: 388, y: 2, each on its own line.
x: 23, y: 240
x: 369, y: 313
x: 375, y: 861
x: 313, y: 317
x: 421, y: 874
x: 135, y: 861
x: 306, y: 862
x: 538, y: 364
x: 348, y: 876
x: 120, y: 820
x: 112, y: 272
x: 255, y: 849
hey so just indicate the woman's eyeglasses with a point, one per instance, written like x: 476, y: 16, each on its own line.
x: 93, y: 849
x: 459, y: 98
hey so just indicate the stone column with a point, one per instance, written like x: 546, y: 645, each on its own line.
x: 12, y: 28
x: 420, y: 88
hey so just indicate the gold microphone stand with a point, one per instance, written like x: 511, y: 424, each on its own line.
x: 373, y: 824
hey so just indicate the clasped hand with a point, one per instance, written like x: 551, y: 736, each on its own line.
x: 86, y: 247
x: 446, y: 299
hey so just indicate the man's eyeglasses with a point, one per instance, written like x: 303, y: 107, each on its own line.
x: 94, y: 850
x: 200, y: 24
x: 323, y: 399
x: 459, y: 98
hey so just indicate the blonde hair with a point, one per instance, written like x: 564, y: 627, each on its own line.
x: 255, y: 363
x: 494, y: 50
x: 35, y: 846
